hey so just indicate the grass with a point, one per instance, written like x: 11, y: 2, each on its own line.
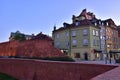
x: 6, y: 77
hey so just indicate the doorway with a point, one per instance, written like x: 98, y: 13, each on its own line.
x: 86, y: 56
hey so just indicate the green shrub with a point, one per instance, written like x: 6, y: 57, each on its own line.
x: 58, y: 58
x: 51, y: 58
x: 6, y: 77
x: 46, y: 58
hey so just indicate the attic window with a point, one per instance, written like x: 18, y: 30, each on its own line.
x: 95, y: 24
x: 99, y: 22
x: 65, y: 25
x: 102, y: 24
x: 76, y: 23
x: 107, y: 23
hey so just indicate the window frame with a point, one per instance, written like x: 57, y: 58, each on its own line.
x: 97, y: 33
x: 85, y: 32
x: 85, y: 42
x: 93, y: 32
x: 74, y: 42
x: 57, y: 35
x: 74, y: 33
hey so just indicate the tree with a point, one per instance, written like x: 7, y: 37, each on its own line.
x: 20, y: 37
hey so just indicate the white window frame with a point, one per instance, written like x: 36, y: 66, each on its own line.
x: 107, y: 23
x: 57, y: 44
x: 73, y: 33
x: 95, y: 24
x: 67, y: 43
x: 93, y: 32
x: 85, y: 42
x: 67, y: 34
x: 85, y: 32
x: 74, y: 42
x: 77, y: 23
x: 98, y: 42
x: 94, y: 42
x: 97, y: 33
x: 57, y: 35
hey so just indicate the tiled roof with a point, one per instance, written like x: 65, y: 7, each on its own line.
x: 42, y: 37
x: 81, y: 23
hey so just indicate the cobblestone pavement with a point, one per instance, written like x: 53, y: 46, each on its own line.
x: 113, y: 74
x: 99, y: 62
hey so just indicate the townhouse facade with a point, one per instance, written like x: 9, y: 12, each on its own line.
x: 87, y: 37
x: 80, y: 39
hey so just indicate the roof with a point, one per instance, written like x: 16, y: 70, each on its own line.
x: 92, y: 21
x: 42, y: 36
x: 82, y: 23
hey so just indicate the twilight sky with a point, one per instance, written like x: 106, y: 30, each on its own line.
x: 34, y: 16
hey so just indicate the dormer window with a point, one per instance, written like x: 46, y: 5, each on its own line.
x: 95, y: 24
x: 85, y: 32
x: 82, y: 18
x: 99, y: 22
x: 107, y: 23
x: 102, y: 24
x: 65, y: 26
x: 76, y: 23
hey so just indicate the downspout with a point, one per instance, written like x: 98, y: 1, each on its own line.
x: 69, y: 41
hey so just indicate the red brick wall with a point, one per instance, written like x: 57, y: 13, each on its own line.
x: 47, y: 70
x: 42, y: 48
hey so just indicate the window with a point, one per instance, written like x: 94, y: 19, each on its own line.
x: 98, y: 42
x: 82, y: 18
x: 73, y: 33
x: 57, y: 44
x: 77, y: 55
x: 97, y: 34
x: 95, y: 42
x: 99, y: 22
x: 102, y: 23
x: 107, y: 23
x: 67, y: 34
x: 67, y: 43
x: 85, y: 42
x: 101, y: 37
x: 85, y: 32
x: 108, y: 45
x: 93, y: 32
x: 57, y: 35
x: 95, y: 24
x: 76, y: 23
x: 74, y: 43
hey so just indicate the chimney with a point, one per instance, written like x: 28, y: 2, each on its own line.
x: 54, y: 27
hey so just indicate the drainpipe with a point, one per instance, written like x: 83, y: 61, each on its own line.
x: 106, y: 55
x: 69, y: 41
